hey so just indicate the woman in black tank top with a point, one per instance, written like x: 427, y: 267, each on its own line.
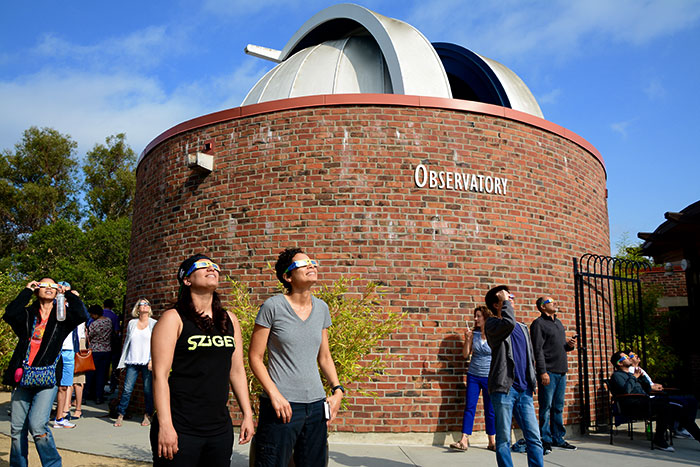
x: 197, y: 355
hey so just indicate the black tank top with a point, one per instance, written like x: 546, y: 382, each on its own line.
x: 199, y: 381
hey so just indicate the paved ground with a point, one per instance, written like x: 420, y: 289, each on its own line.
x: 95, y: 442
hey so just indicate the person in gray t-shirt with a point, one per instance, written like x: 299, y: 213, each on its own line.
x: 293, y: 328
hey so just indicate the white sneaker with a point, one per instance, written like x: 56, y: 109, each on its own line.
x: 63, y: 423
x: 682, y: 433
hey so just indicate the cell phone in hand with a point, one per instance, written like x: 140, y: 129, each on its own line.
x: 327, y: 410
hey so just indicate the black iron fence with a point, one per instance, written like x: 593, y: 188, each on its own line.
x: 608, y: 299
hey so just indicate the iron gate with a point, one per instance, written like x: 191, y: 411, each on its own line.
x: 608, y: 300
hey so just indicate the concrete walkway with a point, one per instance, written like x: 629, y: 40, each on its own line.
x: 96, y: 434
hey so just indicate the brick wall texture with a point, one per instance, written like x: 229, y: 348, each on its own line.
x: 338, y: 181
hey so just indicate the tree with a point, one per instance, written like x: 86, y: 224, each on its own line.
x: 110, y: 179
x: 93, y: 261
x: 37, y: 184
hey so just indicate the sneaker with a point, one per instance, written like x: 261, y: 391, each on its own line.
x: 546, y: 448
x: 662, y: 445
x: 63, y: 423
x: 566, y: 446
x: 682, y: 433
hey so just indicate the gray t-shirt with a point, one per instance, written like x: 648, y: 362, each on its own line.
x: 293, y: 347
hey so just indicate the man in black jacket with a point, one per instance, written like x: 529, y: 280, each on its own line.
x: 550, y: 345
x: 511, y: 378
x: 666, y: 411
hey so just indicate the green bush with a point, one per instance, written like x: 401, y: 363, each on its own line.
x: 9, y: 289
x: 359, y: 325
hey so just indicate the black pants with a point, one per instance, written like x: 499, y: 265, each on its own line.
x: 305, y: 435
x: 668, y: 411
x: 195, y: 451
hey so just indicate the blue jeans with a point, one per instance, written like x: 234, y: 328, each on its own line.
x: 31, y: 408
x: 551, y: 399
x: 132, y: 373
x: 476, y: 385
x: 305, y: 435
x: 518, y: 404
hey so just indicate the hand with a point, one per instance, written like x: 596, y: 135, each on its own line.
x: 167, y: 442
x: 503, y: 295
x: 468, y: 334
x: 571, y: 342
x: 334, y: 402
x: 247, y: 430
x: 33, y: 285
x: 544, y: 377
x: 657, y: 387
x: 150, y: 365
x: 282, y: 408
x: 637, y: 372
x: 61, y: 289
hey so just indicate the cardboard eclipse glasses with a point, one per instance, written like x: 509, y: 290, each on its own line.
x: 301, y: 264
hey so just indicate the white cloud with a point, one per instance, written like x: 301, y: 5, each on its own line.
x: 552, y: 97
x: 509, y: 30
x: 92, y: 105
x: 621, y: 127
x: 655, y: 90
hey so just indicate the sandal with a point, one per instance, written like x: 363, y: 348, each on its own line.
x: 491, y: 447
x: 119, y: 421
x: 77, y: 414
x: 146, y: 420
x: 459, y: 446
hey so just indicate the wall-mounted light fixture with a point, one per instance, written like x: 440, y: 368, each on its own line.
x: 202, y: 160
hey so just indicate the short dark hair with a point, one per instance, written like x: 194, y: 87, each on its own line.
x: 284, y: 260
x: 109, y: 303
x: 616, y: 357
x: 491, y: 297
x: 95, y: 310
x: 538, y: 303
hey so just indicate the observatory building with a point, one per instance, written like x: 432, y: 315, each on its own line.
x: 423, y: 166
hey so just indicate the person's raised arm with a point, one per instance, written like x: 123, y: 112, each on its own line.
x: 327, y: 365
x: 498, y: 330
x: 15, y: 313
x: 468, y: 341
x: 163, y: 340
x: 258, y: 344
x: 239, y: 384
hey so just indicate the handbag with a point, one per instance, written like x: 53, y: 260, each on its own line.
x: 83, y: 358
x: 36, y: 376
x: 83, y: 361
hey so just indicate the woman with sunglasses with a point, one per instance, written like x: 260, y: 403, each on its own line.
x: 40, y: 338
x: 197, y: 353
x: 136, y: 358
x: 293, y: 328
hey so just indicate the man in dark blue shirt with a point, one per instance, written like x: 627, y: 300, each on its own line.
x: 512, y: 379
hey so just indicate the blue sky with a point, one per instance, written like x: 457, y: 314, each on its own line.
x: 622, y: 74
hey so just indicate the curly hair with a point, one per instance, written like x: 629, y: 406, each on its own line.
x: 284, y: 260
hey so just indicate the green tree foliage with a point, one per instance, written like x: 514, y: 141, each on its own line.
x: 359, y: 325
x: 37, y: 184
x: 93, y: 261
x: 9, y: 289
x: 110, y: 179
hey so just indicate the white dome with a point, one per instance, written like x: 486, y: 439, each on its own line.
x: 344, y: 66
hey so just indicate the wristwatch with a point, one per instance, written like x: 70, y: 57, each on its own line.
x: 335, y: 388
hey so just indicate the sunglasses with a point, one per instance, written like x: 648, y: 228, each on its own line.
x: 201, y: 265
x: 48, y: 285
x: 301, y: 264
x: 144, y: 303
x: 549, y: 300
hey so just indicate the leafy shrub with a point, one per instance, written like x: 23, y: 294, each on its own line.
x: 359, y: 325
x: 9, y: 289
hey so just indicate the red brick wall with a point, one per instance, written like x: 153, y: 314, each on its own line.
x: 338, y: 182
x: 671, y: 284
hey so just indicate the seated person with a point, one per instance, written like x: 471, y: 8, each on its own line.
x: 688, y: 401
x: 666, y: 412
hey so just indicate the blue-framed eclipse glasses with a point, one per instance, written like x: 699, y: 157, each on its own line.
x: 201, y: 265
x: 549, y: 300
x: 622, y: 359
x: 301, y: 264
